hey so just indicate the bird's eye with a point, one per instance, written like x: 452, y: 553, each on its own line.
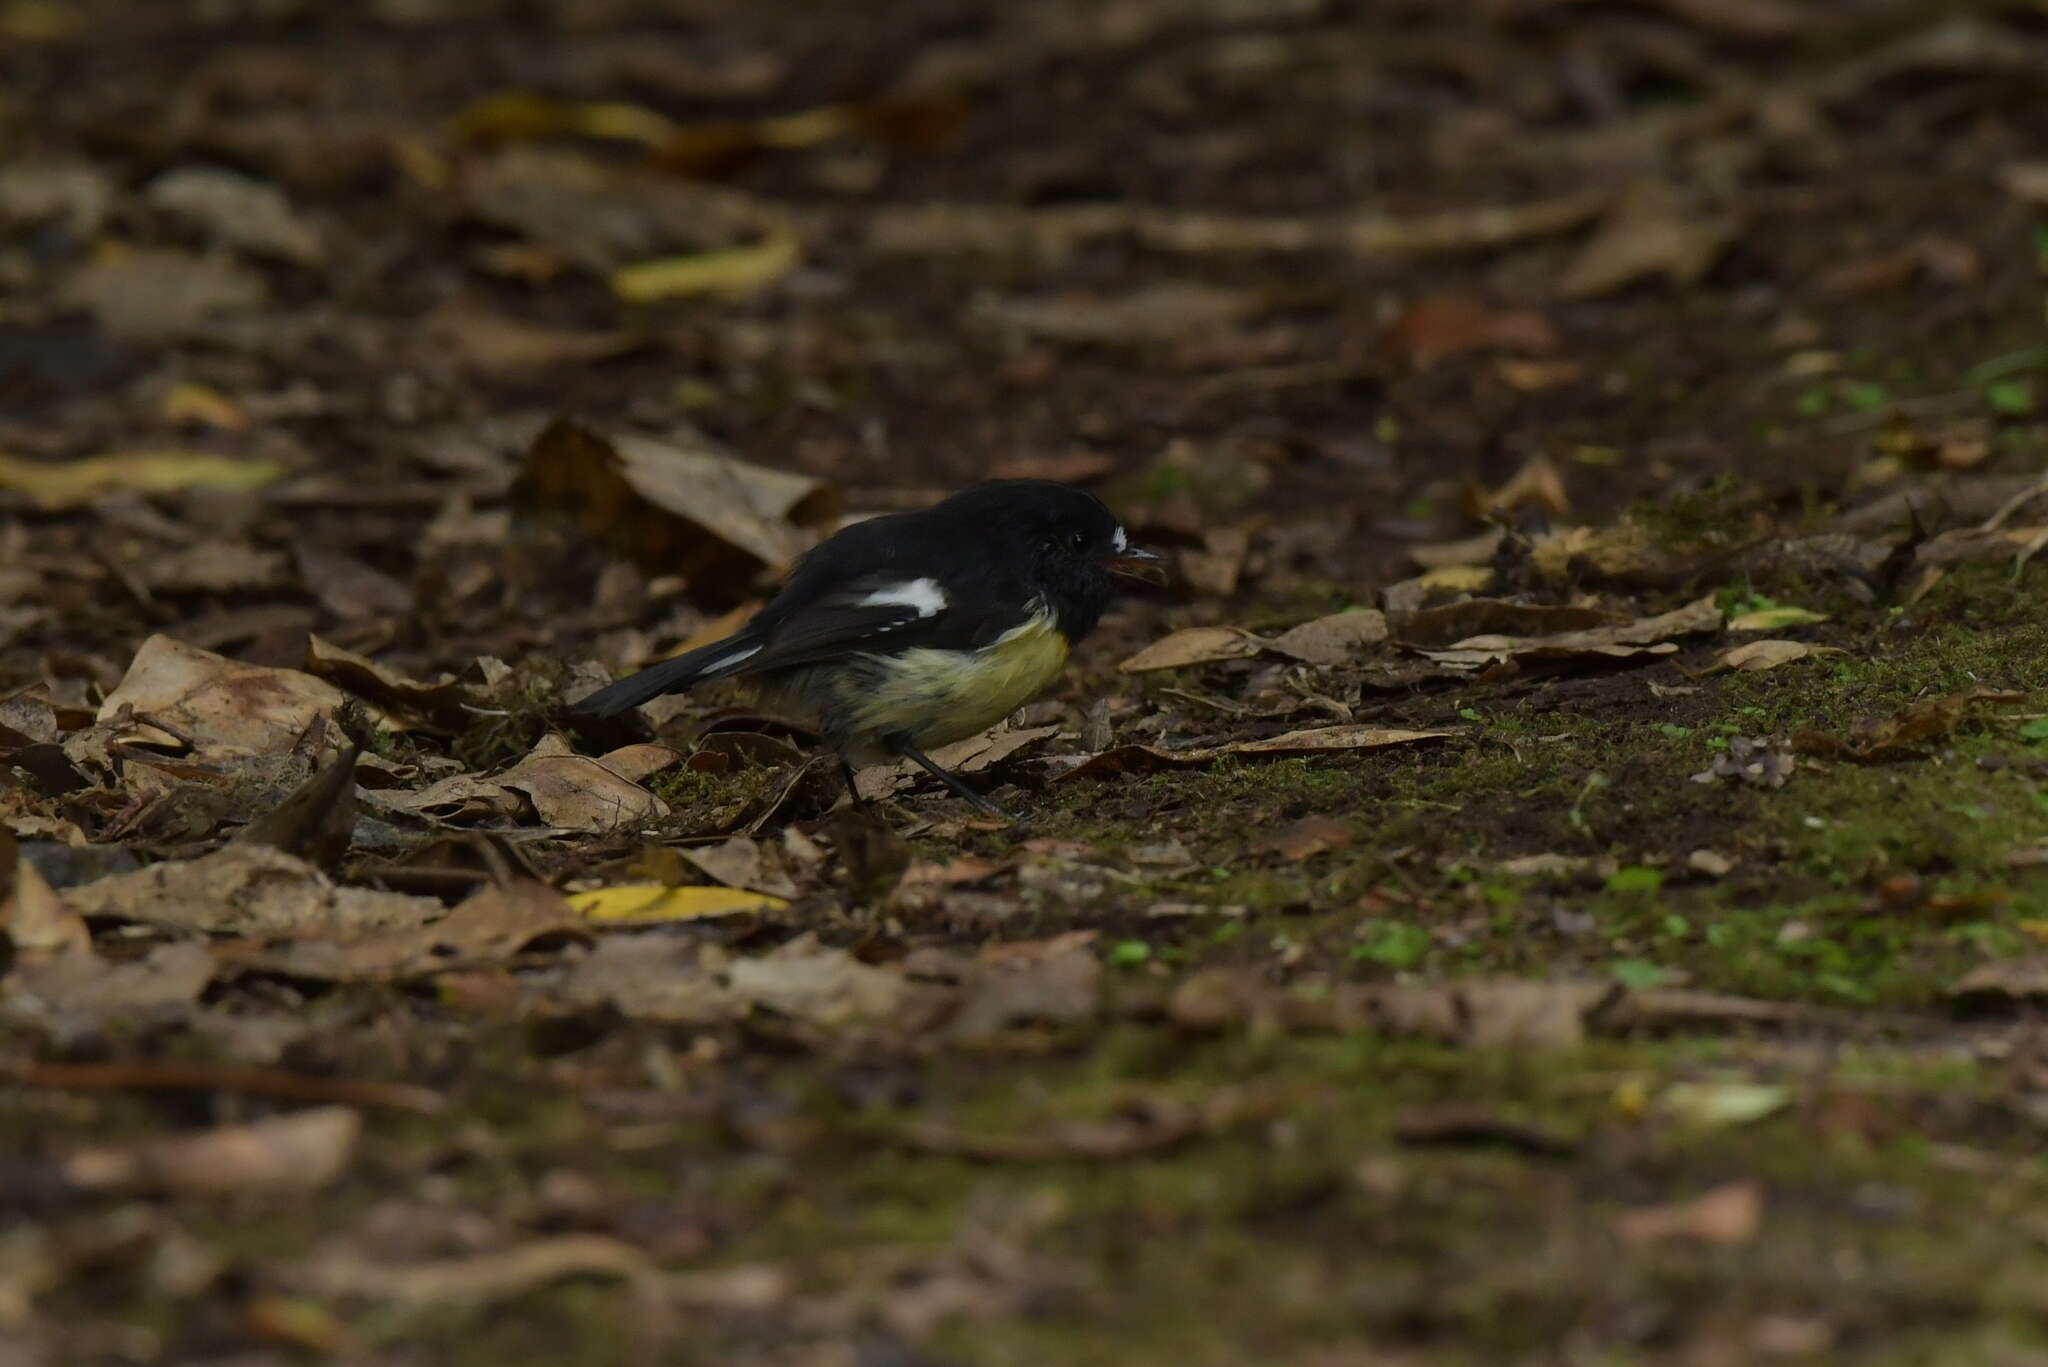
x: 1078, y: 540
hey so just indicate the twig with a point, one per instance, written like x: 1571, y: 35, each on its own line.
x: 207, y: 1077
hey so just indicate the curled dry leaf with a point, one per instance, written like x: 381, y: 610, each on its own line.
x: 216, y: 703
x: 33, y: 917
x: 302, y: 1152
x: 576, y: 792
x: 494, y: 344
x: 1645, y: 636
x: 78, y: 986
x: 246, y: 890
x: 497, y: 923
x: 1194, y: 646
x: 1337, y: 639
x: 1885, y: 738
x: 407, y: 704
x: 1757, y: 656
x: 1321, y: 740
x: 692, y: 510
x: 683, y: 983
x: 74, y: 483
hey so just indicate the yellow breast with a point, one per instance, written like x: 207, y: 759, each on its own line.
x: 940, y: 696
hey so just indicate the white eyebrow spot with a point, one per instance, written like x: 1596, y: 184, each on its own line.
x: 923, y: 594
x: 1120, y: 541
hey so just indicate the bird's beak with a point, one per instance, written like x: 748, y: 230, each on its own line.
x: 1138, y: 563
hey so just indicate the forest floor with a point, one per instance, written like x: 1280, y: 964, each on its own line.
x: 1559, y: 875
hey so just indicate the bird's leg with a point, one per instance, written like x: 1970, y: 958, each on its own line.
x: 926, y: 763
x: 852, y: 787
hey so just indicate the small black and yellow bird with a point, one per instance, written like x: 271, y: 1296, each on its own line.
x: 905, y: 632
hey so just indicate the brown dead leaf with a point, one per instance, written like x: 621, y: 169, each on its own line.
x: 2026, y: 181
x: 742, y: 862
x: 407, y: 704
x: 246, y: 890
x: 494, y: 925
x: 285, y: 1155
x: 74, y: 986
x: 1885, y: 738
x: 1538, y: 484
x: 1650, y: 231
x: 2002, y: 983
x: 1444, y: 325
x: 1219, y: 564
x: 683, y: 983
x: 239, y: 211
x: 1194, y: 646
x: 217, y: 703
x: 1340, y: 638
x: 1756, y: 656
x: 494, y: 344
x: 1964, y: 545
x: 1066, y: 467
x: 1310, y: 836
x: 1322, y: 740
x: 1055, y: 981
x: 576, y: 792
x: 1471, y: 550
x: 34, y: 919
x: 152, y: 295
x: 693, y: 510
x: 1646, y: 636
x: 1727, y: 1215
x: 316, y: 820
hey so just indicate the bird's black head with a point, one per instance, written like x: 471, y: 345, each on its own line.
x: 1070, y: 543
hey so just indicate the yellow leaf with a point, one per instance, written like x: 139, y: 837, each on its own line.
x: 730, y: 271
x: 639, y: 903
x: 202, y: 406
x: 1458, y: 578
x: 1774, y: 619
x: 69, y: 484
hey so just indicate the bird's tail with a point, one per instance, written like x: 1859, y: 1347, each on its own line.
x: 719, y: 660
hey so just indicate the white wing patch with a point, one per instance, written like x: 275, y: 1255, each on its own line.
x: 728, y: 661
x: 923, y: 594
x: 1120, y: 541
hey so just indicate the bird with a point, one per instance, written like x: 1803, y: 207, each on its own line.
x: 905, y: 632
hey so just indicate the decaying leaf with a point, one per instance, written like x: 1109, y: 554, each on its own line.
x: 495, y: 924
x: 1322, y: 740
x: 1441, y: 626
x: 577, y: 792
x: 1729, y: 1214
x: 74, y: 483
x: 1194, y: 646
x: 1895, y: 737
x: 1311, y: 835
x: 301, y: 1152
x: 156, y: 294
x: 496, y: 344
x: 1650, y: 231
x: 239, y: 211
x: 685, y: 983
x: 1161, y: 311
x: 34, y: 919
x: 1444, y: 325
x: 651, y: 903
x: 217, y: 703
x: 1338, y: 639
x: 406, y: 703
x: 246, y: 890
x: 1756, y: 656
x: 1648, y: 636
x: 693, y: 510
